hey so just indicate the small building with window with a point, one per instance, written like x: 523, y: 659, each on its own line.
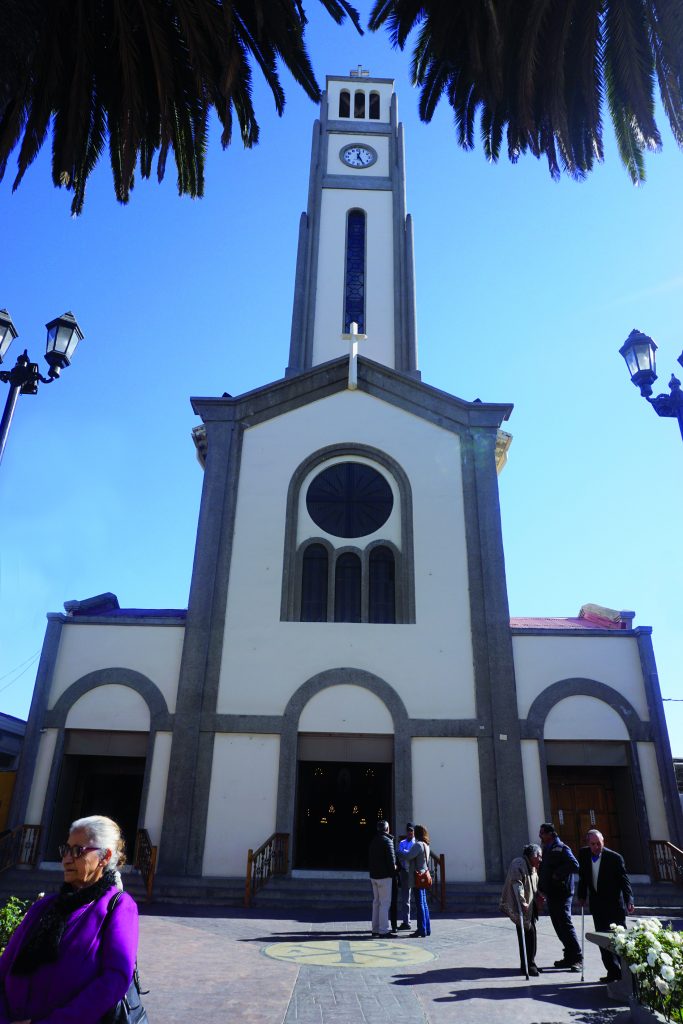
x: 347, y: 652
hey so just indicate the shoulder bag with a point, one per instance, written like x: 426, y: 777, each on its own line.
x: 423, y: 879
x: 128, y: 1010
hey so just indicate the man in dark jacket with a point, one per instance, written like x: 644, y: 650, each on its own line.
x: 382, y: 868
x: 603, y: 880
x: 556, y: 886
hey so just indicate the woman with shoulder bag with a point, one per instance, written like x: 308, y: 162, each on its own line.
x: 419, y: 856
x: 73, y: 956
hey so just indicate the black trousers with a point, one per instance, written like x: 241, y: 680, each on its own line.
x: 602, y: 919
x: 561, y: 915
x: 530, y: 938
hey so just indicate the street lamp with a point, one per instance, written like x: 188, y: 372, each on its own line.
x: 63, y: 336
x: 639, y: 352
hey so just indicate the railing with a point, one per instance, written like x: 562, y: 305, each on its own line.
x: 270, y: 859
x: 437, y: 869
x: 667, y: 861
x: 20, y: 846
x: 145, y: 859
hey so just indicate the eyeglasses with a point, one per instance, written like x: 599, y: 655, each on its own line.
x: 74, y: 851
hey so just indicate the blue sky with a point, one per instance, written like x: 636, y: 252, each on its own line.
x: 525, y: 291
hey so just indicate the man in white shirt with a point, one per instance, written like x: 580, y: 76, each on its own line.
x: 405, y: 877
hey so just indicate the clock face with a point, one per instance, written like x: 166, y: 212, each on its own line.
x: 358, y: 156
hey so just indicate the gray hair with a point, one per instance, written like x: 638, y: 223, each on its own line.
x: 531, y: 850
x: 105, y: 834
x: 595, y: 832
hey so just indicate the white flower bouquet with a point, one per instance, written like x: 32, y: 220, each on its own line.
x: 654, y: 955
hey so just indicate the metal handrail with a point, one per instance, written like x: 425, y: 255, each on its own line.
x: 20, y: 846
x: 145, y: 859
x: 271, y: 858
x: 667, y: 861
x: 437, y: 869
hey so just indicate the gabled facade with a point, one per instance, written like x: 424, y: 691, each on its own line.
x: 347, y: 651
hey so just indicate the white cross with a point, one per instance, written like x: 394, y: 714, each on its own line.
x: 354, y: 337
x: 360, y: 72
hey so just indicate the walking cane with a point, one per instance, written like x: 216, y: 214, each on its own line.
x: 582, y: 940
x: 521, y: 925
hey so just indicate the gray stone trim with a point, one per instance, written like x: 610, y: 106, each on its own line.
x: 660, y: 736
x: 605, y: 634
x: 299, y: 302
x: 395, y: 388
x: 411, y: 361
x: 159, y: 715
x: 533, y: 727
x: 366, y: 81
x: 500, y: 760
x: 446, y: 728
x: 366, y: 183
x: 36, y: 722
x: 403, y: 779
x: 225, y: 723
x: 353, y: 126
x: 183, y: 832
x: 51, y: 792
x: 290, y: 604
x: 120, y: 620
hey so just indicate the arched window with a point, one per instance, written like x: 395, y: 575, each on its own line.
x: 374, y: 106
x: 314, y: 584
x: 354, y: 284
x: 347, y: 588
x: 345, y: 103
x: 382, y: 589
x: 359, y: 104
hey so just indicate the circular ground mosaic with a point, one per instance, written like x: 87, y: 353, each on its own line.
x: 350, y: 953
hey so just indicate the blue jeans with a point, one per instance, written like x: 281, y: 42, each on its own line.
x: 560, y: 912
x: 424, y: 926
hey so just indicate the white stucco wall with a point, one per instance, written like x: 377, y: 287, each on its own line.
x: 110, y: 707
x: 242, y: 800
x: 450, y: 766
x: 152, y: 650
x: 346, y: 709
x: 584, y: 718
x: 541, y: 661
x: 428, y: 663
x: 533, y: 788
x: 156, y: 794
x: 41, y: 775
x: 654, y: 801
x: 379, y: 277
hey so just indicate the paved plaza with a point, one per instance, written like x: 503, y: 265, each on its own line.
x: 225, y: 965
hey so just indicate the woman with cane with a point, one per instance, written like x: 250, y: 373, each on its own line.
x: 518, y: 901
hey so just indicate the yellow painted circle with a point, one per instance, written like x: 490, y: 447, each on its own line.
x: 354, y: 953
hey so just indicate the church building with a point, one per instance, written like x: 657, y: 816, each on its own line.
x: 347, y: 652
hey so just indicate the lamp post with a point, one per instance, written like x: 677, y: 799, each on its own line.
x: 63, y: 336
x: 639, y: 352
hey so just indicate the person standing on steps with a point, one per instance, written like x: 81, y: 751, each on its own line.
x: 405, y: 876
x: 556, y: 887
x: 382, y: 869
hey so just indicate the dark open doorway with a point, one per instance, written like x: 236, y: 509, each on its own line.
x: 338, y: 804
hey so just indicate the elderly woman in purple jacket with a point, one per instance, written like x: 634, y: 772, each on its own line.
x: 72, y: 957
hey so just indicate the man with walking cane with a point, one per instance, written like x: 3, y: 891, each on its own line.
x: 518, y: 901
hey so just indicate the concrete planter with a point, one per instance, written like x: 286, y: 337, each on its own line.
x: 643, y: 1014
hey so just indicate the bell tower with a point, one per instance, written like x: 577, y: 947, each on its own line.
x: 355, y: 253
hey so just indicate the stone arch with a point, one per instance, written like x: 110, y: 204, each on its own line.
x: 156, y: 702
x: 403, y: 776
x: 578, y: 687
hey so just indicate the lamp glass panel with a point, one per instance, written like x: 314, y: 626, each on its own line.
x: 645, y: 356
x: 62, y: 340
x: 5, y: 341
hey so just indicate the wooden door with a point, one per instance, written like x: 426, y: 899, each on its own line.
x: 583, y: 798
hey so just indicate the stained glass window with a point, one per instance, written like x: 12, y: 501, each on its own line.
x: 347, y: 588
x: 349, y: 499
x: 314, y: 584
x: 382, y: 591
x: 354, y: 288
